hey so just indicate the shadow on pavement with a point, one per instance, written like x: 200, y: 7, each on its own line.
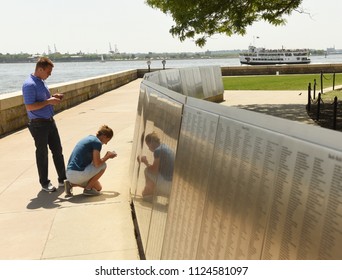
x: 80, y: 198
x: 46, y: 200
x: 294, y: 112
x: 55, y: 199
x: 325, y: 116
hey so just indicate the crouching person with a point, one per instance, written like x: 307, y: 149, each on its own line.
x: 85, y: 165
x: 158, y: 174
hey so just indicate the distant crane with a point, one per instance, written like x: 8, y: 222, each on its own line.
x: 50, y: 51
x: 111, y: 50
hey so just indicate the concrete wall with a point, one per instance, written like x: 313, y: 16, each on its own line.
x: 270, y: 69
x: 281, y: 69
x: 12, y: 109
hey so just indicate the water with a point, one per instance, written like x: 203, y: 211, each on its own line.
x: 12, y: 75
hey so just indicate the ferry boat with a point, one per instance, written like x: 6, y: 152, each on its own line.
x: 262, y: 56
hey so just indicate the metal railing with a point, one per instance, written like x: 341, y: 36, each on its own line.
x: 330, y: 109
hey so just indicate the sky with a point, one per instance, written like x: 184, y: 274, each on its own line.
x: 89, y: 26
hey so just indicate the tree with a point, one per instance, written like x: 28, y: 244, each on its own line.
x: 204, y: 18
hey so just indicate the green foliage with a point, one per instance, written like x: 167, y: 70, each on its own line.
x: 7, y: 58
x: 204, y: 18
x: 281, y: 82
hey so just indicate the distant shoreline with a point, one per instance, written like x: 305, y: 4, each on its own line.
x: 82, y: 57
x: 115, y: 60
x: 98, y: 59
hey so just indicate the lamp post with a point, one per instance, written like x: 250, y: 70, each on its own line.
x: 164, y: 62
x: 149, y: 65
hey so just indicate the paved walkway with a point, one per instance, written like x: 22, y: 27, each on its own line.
x: 38, y: 225
x: 284, y: 104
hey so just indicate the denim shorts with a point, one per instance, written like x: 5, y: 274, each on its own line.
x: 81, y: 178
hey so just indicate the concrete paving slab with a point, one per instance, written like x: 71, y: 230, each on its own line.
x: 39, y: 225
x: 69, y: 238
x: 24, y: 234
x: 248, y: 97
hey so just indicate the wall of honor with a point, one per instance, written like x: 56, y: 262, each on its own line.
x: 245, y: 185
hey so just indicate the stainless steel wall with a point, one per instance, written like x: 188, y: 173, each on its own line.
x: 199, y: 82
x: 160, y: 113
x: 245, y: 185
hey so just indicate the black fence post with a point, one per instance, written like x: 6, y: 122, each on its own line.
x: 335, y: 113
x: 321, y: 82
x: 314, y: 90
x: 309, y: 97
x: 318, y: 106
x: 334, y: 81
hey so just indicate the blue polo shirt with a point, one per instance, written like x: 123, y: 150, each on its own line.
x: 35, y: 90
x: 82, y: 155
x: 166, y: 161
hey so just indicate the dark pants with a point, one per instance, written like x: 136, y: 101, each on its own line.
x: 45, y: 133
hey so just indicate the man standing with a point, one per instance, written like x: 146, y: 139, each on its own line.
x: 39, y: 105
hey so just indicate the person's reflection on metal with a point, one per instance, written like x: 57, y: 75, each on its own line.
x: 158, y: 174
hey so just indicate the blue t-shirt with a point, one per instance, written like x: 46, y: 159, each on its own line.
x: 35, y: 90
x: 82, y: 155
x: 166, y: 161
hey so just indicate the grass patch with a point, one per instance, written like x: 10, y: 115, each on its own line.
x: 280, y: 82
x: 330, y: 95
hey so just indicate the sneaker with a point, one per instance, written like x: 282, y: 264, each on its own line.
x: 60, y: 185
x: 91, y: 192
x: 49, y: 188
x: 67, y: 188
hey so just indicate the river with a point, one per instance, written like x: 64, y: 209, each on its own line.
x: 12, y: 75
